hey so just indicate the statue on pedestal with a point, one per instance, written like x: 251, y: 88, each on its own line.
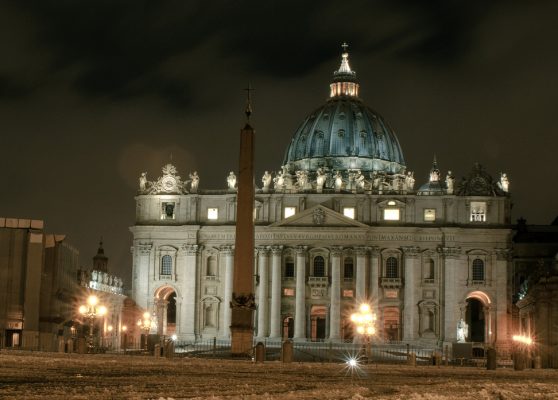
x: 231, y: 181
x: 302, y: 179
x: 194, y: 182
x: 359, y: 180
x: 143, y: 181
x: 462, y: 331
x: 338, y: 182
x: 449, y: 182
x: 266, y: 181
x: 410, y: 180
x: 504, y: 183
x: 320, y: 179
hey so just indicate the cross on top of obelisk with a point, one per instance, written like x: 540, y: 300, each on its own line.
x: 248, y: 110
x: 345, y: 47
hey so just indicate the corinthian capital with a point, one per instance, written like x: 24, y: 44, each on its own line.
x: 277, y: 250
x: 226, y: 249
x: 411, y: 251
x: 450, y: 252
x: 336, y: 251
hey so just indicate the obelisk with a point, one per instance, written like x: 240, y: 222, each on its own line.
x: 242, y: 303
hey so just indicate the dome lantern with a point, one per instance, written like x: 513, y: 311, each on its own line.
x: 344, y: 79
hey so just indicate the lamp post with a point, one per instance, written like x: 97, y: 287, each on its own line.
x: 364, y: 321
x: 91, y: 310
x: 124, y: 339
x: 145, y: 323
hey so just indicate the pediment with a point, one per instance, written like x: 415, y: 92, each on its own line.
x: 320, y: 216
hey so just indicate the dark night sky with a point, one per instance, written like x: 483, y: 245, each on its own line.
x: 94, y: 92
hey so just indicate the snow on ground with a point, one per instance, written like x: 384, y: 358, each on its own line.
x: 25, y: 375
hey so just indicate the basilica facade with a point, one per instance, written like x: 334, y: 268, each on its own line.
x: 342, y: 222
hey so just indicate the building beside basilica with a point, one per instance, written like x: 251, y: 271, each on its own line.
x: 342, y: 222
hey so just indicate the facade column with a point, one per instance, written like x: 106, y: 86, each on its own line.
x: 275, y: 323
x: 374, y: 279
x: 189, y: 304
x: 227, y: 251
x: 335, y: 298
x: 499, y: 273
x: 412, y: 269
x: 142, y: 278
x: 360, y: 284
x: 300, y: 300
x: 451, y: 302
x: 263, y: 304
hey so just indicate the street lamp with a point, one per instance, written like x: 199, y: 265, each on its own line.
x: 145, y: 323
x: 91, y: 310
x: 364, y: 321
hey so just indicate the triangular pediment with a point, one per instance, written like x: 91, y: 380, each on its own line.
x: 320, y: 216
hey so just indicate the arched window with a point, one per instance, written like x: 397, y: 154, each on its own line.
x: 319, y: 266
x: 478, y: 269
x: 391, y: 268
x: 166, y: 265
x: 348, y: 270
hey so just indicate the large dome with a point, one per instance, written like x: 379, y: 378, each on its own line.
x: 344, y: 134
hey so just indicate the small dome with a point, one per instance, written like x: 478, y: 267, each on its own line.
x: 344, y: 133
x: 434, y: 187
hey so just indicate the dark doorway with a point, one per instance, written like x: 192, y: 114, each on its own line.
x: 320, y: 328
x: 475, y: 319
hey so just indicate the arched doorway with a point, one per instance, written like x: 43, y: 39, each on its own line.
x: 474, y: 317
x: 477, y: 317
x: 165, y: 310
x: 318, y: 323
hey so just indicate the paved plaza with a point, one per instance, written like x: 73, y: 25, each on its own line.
x: 25, y: 375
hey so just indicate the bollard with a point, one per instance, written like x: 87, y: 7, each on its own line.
x: 437, y: 358
x: 537, y: 364
x: 157, y: 350
x: 491, y: 359
x: 169, y: 349
x: 518, y: 361
x: 287, y: 351
x: 412, y: 359
x: 260, y: 352
x: 81, y: 346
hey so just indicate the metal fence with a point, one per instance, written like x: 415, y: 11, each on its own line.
x: 314, y: 351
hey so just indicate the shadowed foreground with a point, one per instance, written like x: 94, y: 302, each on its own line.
x: 26, y: 375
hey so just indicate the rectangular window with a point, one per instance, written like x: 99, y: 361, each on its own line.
x: 212, y: 213
x: 478, y: 211
x: 349, y: 212
x: 391, y: 214
x: 288, y: 292
x: 167, y: 211
x: 348, y: 293
x: 429, y: 214
x: 289, y: 270
x: 289, y: 211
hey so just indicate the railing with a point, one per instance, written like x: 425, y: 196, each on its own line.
x: 318, y: 280
x: 391, y: 282
x: 313, y: 351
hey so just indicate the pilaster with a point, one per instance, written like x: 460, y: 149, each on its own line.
x: 300, y: 300
x: 335, y: 297
x: 275, y: 321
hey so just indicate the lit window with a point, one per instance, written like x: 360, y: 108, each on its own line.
x: 430, y: 214
x: 212, y: 213
x: 391, y: 203
x: 478, y: 211
x: 391, y: 214
x: 289, y: 211
x: 349, y: 212
x: 166, y: 265
x: 348, y: 293
x: 289, y: 292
